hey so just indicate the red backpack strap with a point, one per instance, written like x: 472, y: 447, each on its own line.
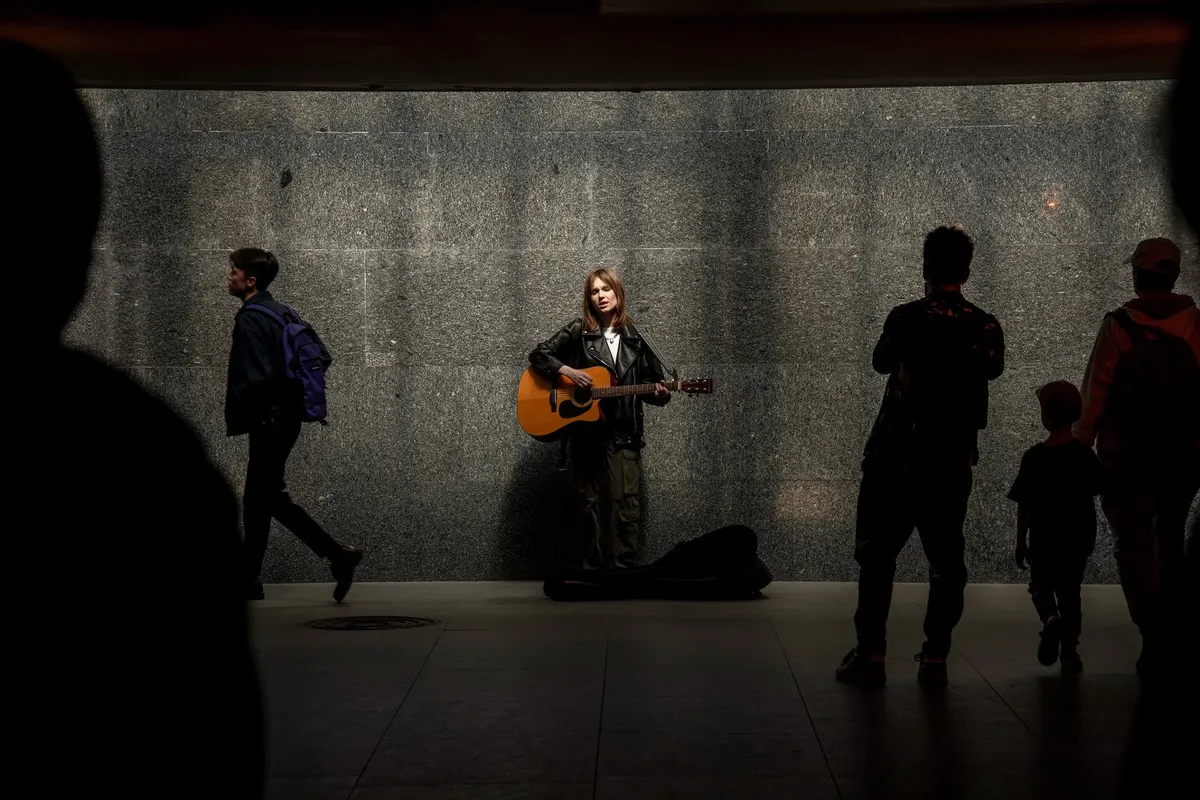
x: 1136, y: 333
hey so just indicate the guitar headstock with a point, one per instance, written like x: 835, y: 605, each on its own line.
x: 696, y: 386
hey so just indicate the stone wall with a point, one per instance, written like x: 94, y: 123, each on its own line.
x: 433, y: 238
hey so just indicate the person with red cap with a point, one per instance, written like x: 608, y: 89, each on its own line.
x: 1055, y: 492
x: 1141, y: 392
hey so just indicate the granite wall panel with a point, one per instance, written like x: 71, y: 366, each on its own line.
x: 434, y: 238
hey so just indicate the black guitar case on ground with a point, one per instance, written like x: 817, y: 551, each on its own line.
x: 720, y: 565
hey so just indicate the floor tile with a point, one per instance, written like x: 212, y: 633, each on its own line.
x: 519, y: 650
x: 481, y: 685
x: 482, y: 759
x: 515, y: 717
x: 715, y: 713
x: 982, y: 742
x: 682, y: 755
x: 700, y: 680
x: 925, y: 780
x: 810, y: 787
x: 741, y: 643
x: 317, y: 788
x: 492, y: 791
x: 323, y: 743
x: 293, y: 687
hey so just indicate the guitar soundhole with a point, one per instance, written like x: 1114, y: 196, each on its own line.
x: 582, y: 396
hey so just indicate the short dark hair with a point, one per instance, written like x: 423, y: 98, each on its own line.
x: 1153, y: 281
x: 256, y: 263
x: 948, y: 253
x: 1061, y: 414
x: 1061, y: 404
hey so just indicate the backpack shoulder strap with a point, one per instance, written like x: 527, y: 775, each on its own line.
x: 288, y: 317
x: 268, y: 311
x: 1135, y: 332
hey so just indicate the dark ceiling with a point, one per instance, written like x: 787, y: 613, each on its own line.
x: 602, y: 44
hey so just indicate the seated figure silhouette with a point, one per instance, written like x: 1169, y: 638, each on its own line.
x: 128, y: 663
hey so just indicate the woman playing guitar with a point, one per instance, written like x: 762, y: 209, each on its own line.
x: 603, y: 457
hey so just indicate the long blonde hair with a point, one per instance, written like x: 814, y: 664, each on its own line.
x: 620, y: 318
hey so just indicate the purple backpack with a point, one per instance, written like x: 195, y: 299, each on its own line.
x: 305, y: 359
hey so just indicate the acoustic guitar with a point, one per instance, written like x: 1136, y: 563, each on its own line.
x: 545, y: 407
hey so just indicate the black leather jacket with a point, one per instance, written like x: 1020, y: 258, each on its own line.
x: 576, y: 348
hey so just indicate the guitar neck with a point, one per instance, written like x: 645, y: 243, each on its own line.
x: 625, y: 391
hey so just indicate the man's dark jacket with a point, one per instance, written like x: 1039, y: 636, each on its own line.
x: 257, y: 389
x: 939, y: 353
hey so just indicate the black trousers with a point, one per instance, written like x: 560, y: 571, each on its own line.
x: 266, y: 497
x: 606, y: 480
x: 1147, y: 511
x: 891, y: 503
x: 1055, y: 578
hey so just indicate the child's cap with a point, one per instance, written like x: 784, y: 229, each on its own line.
x: 1061, y: 400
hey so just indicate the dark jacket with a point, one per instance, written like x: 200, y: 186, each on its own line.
x: 939, y: 353
x: 257, y: 389
x: 576, y: 348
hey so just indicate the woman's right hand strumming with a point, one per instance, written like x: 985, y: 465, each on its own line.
x: 578, y: 377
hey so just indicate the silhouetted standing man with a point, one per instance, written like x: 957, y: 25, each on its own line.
x: 130, y: 671
x: 1141, y: 408
x: 939, y: 354
x: 263, y: 401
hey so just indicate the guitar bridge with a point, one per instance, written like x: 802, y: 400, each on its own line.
x: 554, y: 401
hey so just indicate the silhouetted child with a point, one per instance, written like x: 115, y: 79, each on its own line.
x: 1055, y: 494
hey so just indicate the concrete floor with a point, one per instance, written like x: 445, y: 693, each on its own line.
x: 514, y: 696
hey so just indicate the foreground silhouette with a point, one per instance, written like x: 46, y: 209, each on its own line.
x: 130, y: 669
x: 1185, y: 184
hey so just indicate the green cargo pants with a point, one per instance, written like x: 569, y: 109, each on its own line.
x: 605, y: 479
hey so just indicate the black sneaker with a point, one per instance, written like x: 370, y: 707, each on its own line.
x: 1051, y: 641
x: 861, y: 670
x: 343, y: 571
x: 254, y: 591
x: 932, y: 671
x: 1072, y: 664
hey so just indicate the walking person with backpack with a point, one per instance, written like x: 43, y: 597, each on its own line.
x: 276, y: 383
x: 1141, y: 409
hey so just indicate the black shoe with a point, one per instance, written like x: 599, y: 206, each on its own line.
x: 862, y: 670
x: 254, y: 591
x: 1051, y: 641
x: 932, y: 671
x: 343, y: 571
x: 1072, y: 664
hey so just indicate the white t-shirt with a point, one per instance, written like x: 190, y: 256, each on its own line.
x: 613, y: 337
